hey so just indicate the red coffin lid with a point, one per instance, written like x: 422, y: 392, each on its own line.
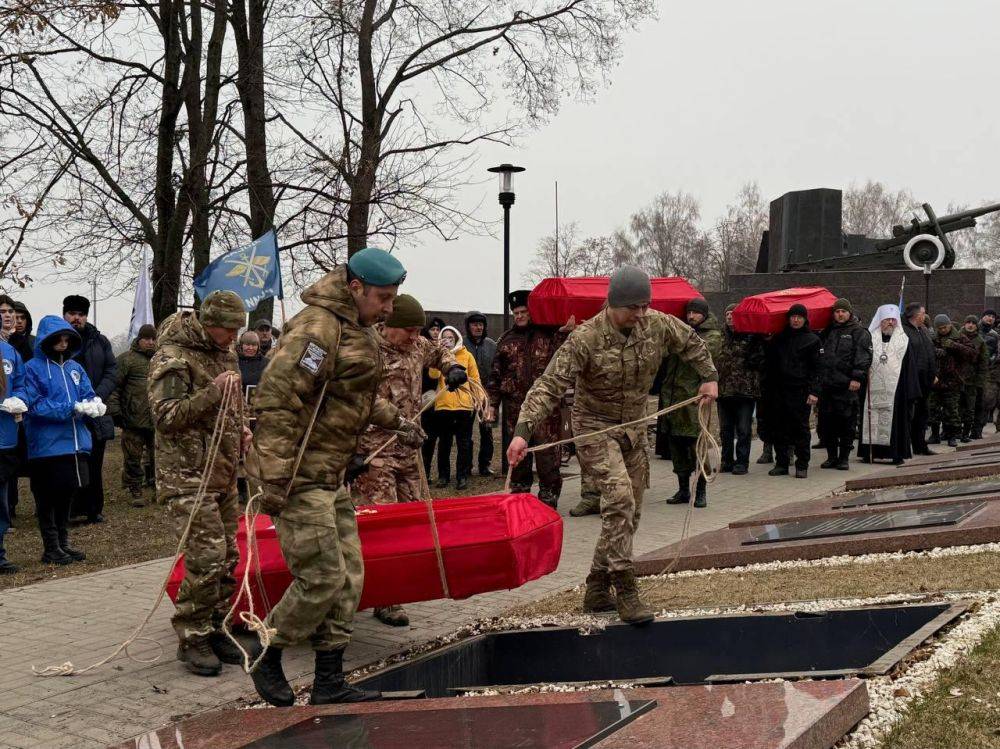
x: 767, y: 313
x: 554, y: 300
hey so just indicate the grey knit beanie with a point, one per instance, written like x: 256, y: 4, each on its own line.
x: 941, y: 319
x: 629, y: 285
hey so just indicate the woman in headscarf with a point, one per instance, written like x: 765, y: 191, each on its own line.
x: 893, y: 384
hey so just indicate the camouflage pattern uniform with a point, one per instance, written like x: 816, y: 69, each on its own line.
x: 954, y: 353
x: 975, y: 372
x: 317, y: 529
x: 990, y: 391
x: 393, y: 475
x: 521, y: 358
x: 612, y: 375
x: 184, y: 401
x: 129, y: 403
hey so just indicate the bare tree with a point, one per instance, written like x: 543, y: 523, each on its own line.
x: 736, y: 236
x: 873, y: 209
x: 978, y: 247
x: 590, y: 256
x: 403, y: 89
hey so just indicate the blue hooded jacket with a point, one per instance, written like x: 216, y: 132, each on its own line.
x: 54, y: 383
x: 13, y: 369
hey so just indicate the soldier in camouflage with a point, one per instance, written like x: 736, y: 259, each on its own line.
x: 394, y: 474
x: 975, y: 378
x: 523, y: 353
x: 189, y: 373
x: 611, y: 360
x: 325, y: 372
x: 954, y: 354
x: 129, y: 407
x: 990, y: 391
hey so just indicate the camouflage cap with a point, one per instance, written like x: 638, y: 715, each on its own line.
x: 223, y: 309
x: 406, y: 313
x: 376, y: 267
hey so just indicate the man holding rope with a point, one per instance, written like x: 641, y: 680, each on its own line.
x: 395, y: 474
x: 611, y: 360
x: 192, y: 376
x: 315, y: 399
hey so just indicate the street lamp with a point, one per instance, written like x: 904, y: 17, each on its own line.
x: 506, y: 196
x: 505, y: 172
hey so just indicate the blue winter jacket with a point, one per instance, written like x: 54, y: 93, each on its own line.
x: 54, y: 383
x: 13, y: 368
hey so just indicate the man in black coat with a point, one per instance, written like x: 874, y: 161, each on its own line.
x: 921, y: 348
x: 845, y: 359
x: 792, y: 369
x: 97, y: 359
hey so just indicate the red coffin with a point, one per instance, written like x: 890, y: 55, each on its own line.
x: 488, y: 543
x: 554, y: 300
x: 768, y: 312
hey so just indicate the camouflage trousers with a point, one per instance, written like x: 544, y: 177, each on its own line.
x: 944, y: 410
x: 327, y: 575
x: 545, y: 462
x: 967, y: 405
x: 988, y: 404
x: 590, y: 486
x: 619, y: 465
x: 135, y: 443
x: 390, y: 479
x: 210, y: 556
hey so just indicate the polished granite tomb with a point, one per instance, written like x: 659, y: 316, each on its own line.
x: 784, y: 715
x: 945, y: 467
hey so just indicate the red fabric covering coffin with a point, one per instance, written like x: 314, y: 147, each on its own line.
x: 768, y: 312
x: 553, y: 300
x: 489, y: 543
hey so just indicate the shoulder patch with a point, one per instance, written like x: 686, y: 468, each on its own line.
x: 312, y: 358
x: 8, y: 367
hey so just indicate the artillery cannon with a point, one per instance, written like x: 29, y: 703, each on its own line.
x: 805, y: 233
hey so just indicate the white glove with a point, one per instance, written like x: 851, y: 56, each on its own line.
x: 98, y: 407
x: 80, y: 408
x: 14, y: 406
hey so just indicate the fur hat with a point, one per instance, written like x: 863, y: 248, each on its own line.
x: 76, y: 303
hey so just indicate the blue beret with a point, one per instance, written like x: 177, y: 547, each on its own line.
x: 376, y: 267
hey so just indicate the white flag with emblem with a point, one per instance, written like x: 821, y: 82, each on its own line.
x: 142, y: 307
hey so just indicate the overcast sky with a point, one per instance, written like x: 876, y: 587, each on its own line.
x: 792, y: 94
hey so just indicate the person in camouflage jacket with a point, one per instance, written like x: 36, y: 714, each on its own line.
x: 739, y: 360
x: 990, y: 391
x: 611, y: 360
x: 523, y: 353
x: 188, y: 374
x: 955, y: 355
x: 977, y: 372
x: 394, y: 475
x: 129, y: 407
x: 324, y: 377
x: 680, y: 381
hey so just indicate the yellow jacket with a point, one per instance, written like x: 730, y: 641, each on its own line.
x: 461, y: 399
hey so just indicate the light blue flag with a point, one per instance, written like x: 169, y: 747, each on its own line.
x: 253, y: 272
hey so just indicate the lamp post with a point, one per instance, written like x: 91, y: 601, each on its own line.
x: 506, y: 196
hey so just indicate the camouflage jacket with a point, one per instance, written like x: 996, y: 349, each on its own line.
x: 976, y: 371
x: 521, y: 357
x: 401, y: 386
x: 739, y: 359
x: 680, y: 381
x: 612, y: 374
x: 954, y: 353
x: 325, y: 343
x: 129, y: 399
x: 184, y: 401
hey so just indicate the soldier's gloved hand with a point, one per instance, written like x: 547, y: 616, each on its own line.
x: 273, y: 500
x: 410, y: 435
x: 456, y: 377
x: 355, y: 468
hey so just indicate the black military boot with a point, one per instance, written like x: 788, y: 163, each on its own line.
x: 683, y: 495
x: 766, y: 455
x: 631, y: 609
x: 225, y: 649
x: 966, y: 435
x: 781, y: 459
x: 52, y: 553
x: 701, y: 493
x: 589, y: 504
x: 935, y: 435
x: 832, y: 457
x: 329, y: 686
x: 598, y: 596
x: 196, y: 654
x: 844, y: 458
x: 76, y: 554
x: 269, y: 680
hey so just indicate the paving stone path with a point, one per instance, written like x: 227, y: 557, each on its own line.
x: 83, y: 618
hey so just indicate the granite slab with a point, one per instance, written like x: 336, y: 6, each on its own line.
x: 992, y: 440
x: 981, y: 452
x: 938, y: 468
x: 853, y: 503
x: 785, y: 715
x: 728, y: 547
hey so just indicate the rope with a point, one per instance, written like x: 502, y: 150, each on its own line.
x: 215, y: 442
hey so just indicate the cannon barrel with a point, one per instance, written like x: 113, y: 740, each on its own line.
x: 901, y: 234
